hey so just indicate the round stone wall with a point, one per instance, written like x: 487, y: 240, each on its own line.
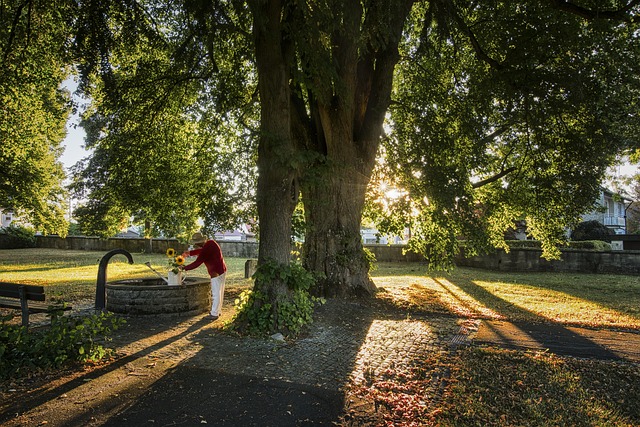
x: 154, y: 297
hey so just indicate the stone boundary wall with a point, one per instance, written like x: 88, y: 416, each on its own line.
x: 572, y: 260
x: 521, y: 259
x: 81, y: 243
x: 393, y: 253
x: 383, y: 253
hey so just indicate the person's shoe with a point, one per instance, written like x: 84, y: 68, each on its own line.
x: 211, y: 318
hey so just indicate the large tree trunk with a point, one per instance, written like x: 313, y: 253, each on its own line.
x: 277, y: 192
x: 333, y: 245
x: 346, y: 126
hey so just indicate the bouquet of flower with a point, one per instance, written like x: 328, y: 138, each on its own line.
x: 175, y: 261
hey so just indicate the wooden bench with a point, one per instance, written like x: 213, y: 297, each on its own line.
x: 18, y: 296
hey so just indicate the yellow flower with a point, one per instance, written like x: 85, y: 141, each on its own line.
x: 179, y: 260
x: 171, y: 252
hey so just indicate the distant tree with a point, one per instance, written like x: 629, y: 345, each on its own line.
x: 34, y: 58
x: 166, y: 150
x: 632, y: 212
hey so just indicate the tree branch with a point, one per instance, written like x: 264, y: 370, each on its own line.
x: 480, y: 53
x: 493, y: 178
x: 622, y: 14
x: 12, y: 33
x: 385, y: 60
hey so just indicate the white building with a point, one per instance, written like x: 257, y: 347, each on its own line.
x: 240, y: 234
x: 611, y: 211
x: 6, y: 218
x: 371, y: 236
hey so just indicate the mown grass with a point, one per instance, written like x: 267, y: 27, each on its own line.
x: 498, y: 387
x: 71, y: 275
x: 593, y: 300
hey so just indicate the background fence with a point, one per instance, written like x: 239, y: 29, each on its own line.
x: 518, y: 259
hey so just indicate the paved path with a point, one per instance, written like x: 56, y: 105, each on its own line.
x: 173, y: 372
x: 187, y: 372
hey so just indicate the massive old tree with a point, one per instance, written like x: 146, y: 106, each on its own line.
x: 326, y: 74
x: 34, y: 40
x: 495, y: 108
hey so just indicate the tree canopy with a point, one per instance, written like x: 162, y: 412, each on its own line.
x: 34, y: 61
x: 168, y: 150
x: 512, y: 110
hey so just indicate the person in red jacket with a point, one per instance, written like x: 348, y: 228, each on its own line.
x: 208, y: 253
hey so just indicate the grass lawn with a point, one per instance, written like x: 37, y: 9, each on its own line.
x: 593, y: 300
x: 71, y: 275
x: 498, y: 387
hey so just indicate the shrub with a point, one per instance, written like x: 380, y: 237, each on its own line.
x: 74, y: 229
x: 595, y: 245
x: 591, y: 230
x: 370, y: 258
x: 67, y: 340
x: 13, y: 237
x: 258, y: 313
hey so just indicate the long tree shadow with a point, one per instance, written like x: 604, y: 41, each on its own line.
x: 190, y: 395
x: 622, y: 297
x: 618, y: 293
x: 231, y: 380
x: 255, y: 381
x: 555, y: 337
x: 29, y: 399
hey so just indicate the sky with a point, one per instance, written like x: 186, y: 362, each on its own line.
x: 74, y: 142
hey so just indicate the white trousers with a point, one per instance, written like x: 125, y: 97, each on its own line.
x: 217, y: 294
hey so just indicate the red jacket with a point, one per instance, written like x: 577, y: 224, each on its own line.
x: 211, y: 255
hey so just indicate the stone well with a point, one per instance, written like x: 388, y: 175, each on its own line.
x: 152, y: 296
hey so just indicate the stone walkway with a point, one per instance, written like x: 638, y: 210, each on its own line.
x: 173, y: 371
x: 168, y: 369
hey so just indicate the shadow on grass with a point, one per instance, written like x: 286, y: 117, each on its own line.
x: 615, y: 292
x: 523, y: 388
x: 555, y: 337
x: 387, y: 269
x: 623, y: 297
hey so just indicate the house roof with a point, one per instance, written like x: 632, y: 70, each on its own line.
x: 611, y: 193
